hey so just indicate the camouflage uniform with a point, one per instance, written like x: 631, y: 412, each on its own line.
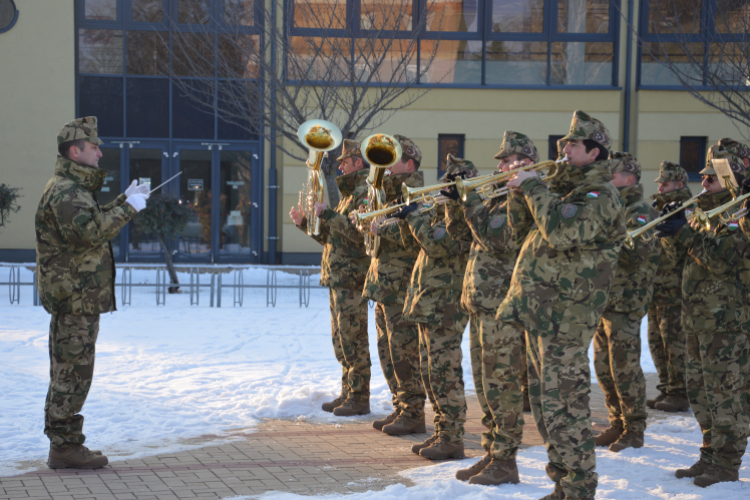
x: 386, y: 283
x: 558, y: 291
x: 498, y: 350
x: 666, y: 339
x: 714, y: 317
x: 76, y: 278
x: 343, y: 267
x: 617, y: 342
x: 433, y: 301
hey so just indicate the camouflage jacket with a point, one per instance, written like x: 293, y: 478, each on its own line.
x: 570, y: 254
x: 75, y: 265
x: 633, y: 287
x: 712, y: 288
x: 344, y: 261
x: 668, y: 280
x: 438, y: 274
x: 493, y: 252
x: 390, y: 270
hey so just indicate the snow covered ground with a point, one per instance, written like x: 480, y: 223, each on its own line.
x: 168, y: 374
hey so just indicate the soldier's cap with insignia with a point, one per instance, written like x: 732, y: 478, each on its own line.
x: 669, y: 171
x: 80, y: 128
x: 350, y: 148
x: 625, y: 162
x: 456, y: 165
x: 736, y: 148
x: 409, y: 150
x: 717, y: 152
x: 584, y: 126
x: 517, y: 143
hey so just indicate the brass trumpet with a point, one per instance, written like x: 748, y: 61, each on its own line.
x: 486, y: 184
x: 425, y: 193
x: 719, y: 211
x: 641, y: 231
x: 364, y: 219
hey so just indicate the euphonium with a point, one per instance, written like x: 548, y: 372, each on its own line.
x: 381, y: 151
x: 319, y: 136
x: 641, y: 231
x: 486, y: 184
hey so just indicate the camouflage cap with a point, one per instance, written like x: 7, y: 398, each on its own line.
x: 456, y: 165
x: 736, y: 148
x: 350, y: 148
x: 625, y: 162
x: 517, y: 143
x: 669, y: 171
x: 409, y: 150
x: 80, y: 128
x: 584, y: 127
x: 717, y: 152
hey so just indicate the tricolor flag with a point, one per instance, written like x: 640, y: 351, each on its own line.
x: 733, y: 225
x: 593, y: 194
x: 641, y: 220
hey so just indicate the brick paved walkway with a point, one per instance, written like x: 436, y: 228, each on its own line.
x: 280, y: 455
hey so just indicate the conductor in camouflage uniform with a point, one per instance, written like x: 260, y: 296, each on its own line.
x: 433, y: 301
x: 498, y: 350
x: 386, y: 283
x: 76, y: 280
x: 343, y: 268
x: 572, y: 233
x: 714, y: 317
x: 617, y: 343
x: 666, y: 338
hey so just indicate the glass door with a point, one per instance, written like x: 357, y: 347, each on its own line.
x: 196, y: 242
x: 145, y: 164
x: 236, y: 205
x: 111, y: 161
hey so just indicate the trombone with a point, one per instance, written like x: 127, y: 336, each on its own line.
x: 641, y: 231
x: 486, y: 184
x: 381, y: 151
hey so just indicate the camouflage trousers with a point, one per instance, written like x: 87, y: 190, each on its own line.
x: 350, y: 343
x: 72, y: 342
x: 443, y: 377
x: 666, y: 341
x: 498, y: 365
x: 717, y: 379
x: 617, y: 361
x: 398, y: 350
x: 559, y: 387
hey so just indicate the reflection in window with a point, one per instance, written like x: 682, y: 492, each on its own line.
x: 100, y: 10
x: 514, y: 62
x: 147, y: 53
x: 674, y: 16
x: 239, y: 119
x: 518, y: 16
x: 732, y: 16
x: 100, y: 51
x: 195, y: 193
x: 192, y: 113
x: 238, y: 56
x: 235, y: 203
x: 148, y: 11
x: 386, y: 15
x: 239, y: 12
x: 320, y: 59
x: 148, y: 107
x: 101, y: 96
x: 193, y: 54
x: 455, y: 61
x: 110, y: 162
x: 655, y: 72
x: 583, y: 16
x: 322, y: 14
x: 193, y: 11
x: 581, y: 63
x: 461, y: 16
x: 727, y: 64
x: 385, y: 60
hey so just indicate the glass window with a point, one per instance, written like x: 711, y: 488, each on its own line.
x: 100, y: 10
x: 386, y: 15
x: 693, y: 155
x: 449, y: 143
x: 670, y: 16
x: 101, y: 96
x: 385, y: 60
x: 195, y: 192
x: 148, y: 11
x: 239, y: 118
x: 110, y: 162
x: 193, y: 11
x: 239, y: 12
x: 100, y: 51
x: 235, y: 202
x: 583, y: 16
x: 655, y: 72
x: 732, y: 16
x: 452, y: 61
x: 192, y: 114
x: 727, y: 64
x: 461, y: 16
x: 148, y: 53
x: 514, y: 62
x: 238, y: 56
x: 518, y: 16
x: 193, y: 54
x: 320, y: 14
x: 148, y: 107
x: 581, y: 63
x: 320, y: 59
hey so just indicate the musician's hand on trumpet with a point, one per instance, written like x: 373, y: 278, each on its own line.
x: 520, y: 176
x: 405, y: 211
x: 319, y: 207
x: 296, y: 214
x: 673, y: 223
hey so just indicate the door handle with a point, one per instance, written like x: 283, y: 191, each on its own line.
x: 166, y: 155
x: 174, y: 155
x: 255, y: 205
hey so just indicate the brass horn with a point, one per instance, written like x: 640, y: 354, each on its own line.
x: 465, y: 186
x: 641, y: 231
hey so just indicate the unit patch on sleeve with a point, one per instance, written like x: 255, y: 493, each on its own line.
x: 569, y: 210
x: 497, y: 222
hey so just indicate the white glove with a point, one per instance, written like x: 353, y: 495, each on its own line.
x: 135, y: 188
x: 137, y: 201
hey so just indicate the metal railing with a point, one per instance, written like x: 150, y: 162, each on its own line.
x: 162, y: 283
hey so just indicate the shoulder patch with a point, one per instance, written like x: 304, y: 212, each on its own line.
x: 497, y: 222
x: 439, y: 233
x: 733, y: 225
x: 593, y: 194
x: 641, y: 220
x: 569, y: 210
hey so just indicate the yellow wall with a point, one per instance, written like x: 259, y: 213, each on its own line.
x: 37, y: 78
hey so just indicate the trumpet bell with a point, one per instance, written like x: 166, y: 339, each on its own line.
x: 381, y: 150
x: 319, y: 135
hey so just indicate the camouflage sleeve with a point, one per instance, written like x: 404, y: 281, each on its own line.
x: 432, y: 236
x: 489, y: 226
x: 571, y: 222
x: 114, y: 203
x: 642, y: 250
x: 520, y: 219
x: 719, y: 251
x: 455, y: 222
x: 341, y: 225
x: 322, y: 237
x: 745, y: 221
x: 82, y: 223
